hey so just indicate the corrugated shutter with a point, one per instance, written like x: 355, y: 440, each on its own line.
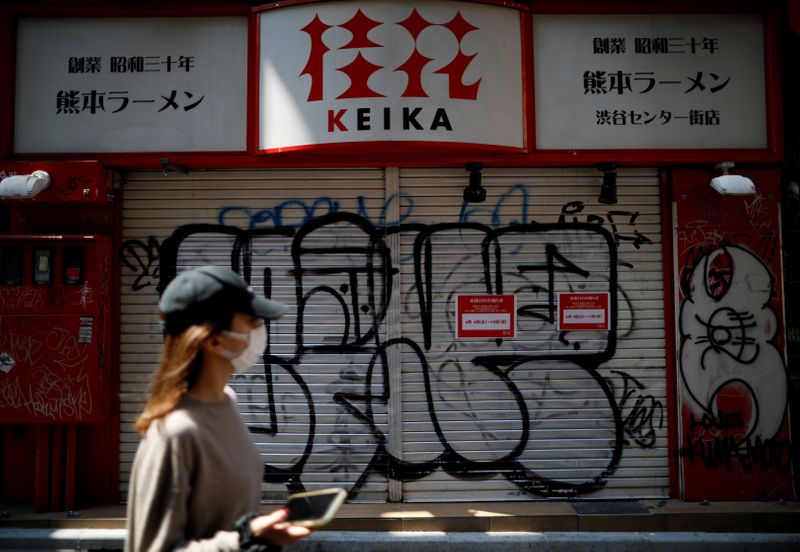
x: 543, y: 414
x: 205, y: 216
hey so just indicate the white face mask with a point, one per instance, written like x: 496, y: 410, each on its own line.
x: 256, y: 343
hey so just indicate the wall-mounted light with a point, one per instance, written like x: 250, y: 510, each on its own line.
x: 166, y: 167
x: 731, y: 184
x: 24, y: 186
x: 608, y: 189
x: 474, y: 192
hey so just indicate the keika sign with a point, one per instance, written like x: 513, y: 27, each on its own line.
x: 486, y: 316
x: 131, y: 85
x: 432, y: 71
x: 644, y: 81
x: 583, y: 311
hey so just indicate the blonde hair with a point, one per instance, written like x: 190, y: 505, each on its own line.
x: 180, y: 365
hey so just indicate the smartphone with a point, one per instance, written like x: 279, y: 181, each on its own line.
x: 314, y: 508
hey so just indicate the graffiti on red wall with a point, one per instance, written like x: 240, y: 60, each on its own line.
x: 733, y: 374
x: 733, y: 383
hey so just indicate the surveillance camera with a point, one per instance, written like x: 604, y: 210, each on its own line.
x: 733, y: 184
x: 24, y: 185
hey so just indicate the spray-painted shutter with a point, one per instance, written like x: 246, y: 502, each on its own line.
x: 547, y: 413
x: 253, y: 222
x: 364, y: 384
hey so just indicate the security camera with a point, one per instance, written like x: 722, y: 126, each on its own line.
x: 24, y: 185
x: 733, y: 184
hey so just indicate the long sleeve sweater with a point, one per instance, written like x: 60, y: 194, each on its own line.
x: 195, y: 473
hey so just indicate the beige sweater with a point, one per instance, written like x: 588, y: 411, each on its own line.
x: 195, y: 473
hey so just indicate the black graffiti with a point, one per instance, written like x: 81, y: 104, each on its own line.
x: 636, y: 238
x: 363, y: 315
x: 642, y: 414
x: 354, y: 278
x: 710, y: 441
x: 141, y: 259
x: 721, y: 452
x: 727, y: 333
x: 556, y: 263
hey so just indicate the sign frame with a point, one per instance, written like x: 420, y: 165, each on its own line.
x: 641, y: 89
x: 395, y: 147
x: 410, y: 154
x: 123, y: 101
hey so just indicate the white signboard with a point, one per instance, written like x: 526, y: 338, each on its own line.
x: 649, y: 81
x: 131, y: 85
x: 435, y: 71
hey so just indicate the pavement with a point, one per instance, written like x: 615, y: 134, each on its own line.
x: 478, y: 526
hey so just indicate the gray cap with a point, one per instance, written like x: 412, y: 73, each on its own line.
x: 204, y: 293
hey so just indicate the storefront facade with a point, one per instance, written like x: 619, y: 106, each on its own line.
x: 602, y: 324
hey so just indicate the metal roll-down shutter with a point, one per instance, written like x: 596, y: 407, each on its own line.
x: 364, y: 384
x: 546, y: 414
x: 249, y: 220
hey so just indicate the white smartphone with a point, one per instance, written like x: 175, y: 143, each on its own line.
x: 314, y: 508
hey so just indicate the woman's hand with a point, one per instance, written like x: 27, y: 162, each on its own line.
x: 272, y: 527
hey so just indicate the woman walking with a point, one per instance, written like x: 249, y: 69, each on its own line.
x: 196, y: 479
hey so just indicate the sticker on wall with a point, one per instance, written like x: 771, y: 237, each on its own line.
x: 486, y: 316
x: 85, y: 330
x: 6, y: 362
x: 583, y: 311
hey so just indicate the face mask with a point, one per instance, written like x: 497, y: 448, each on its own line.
x: 256, y: 343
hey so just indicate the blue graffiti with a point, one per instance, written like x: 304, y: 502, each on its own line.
x: 382, y: 222
x: 517, y: 192
x: 276, y: 217
x: 516, y: 197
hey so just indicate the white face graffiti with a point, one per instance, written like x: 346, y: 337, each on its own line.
x: 727, y: 328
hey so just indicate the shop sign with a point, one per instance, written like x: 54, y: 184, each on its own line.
x: 432, y: 71
x: 131, y: 85
x: 644, y: 81
x: 583, y: 311
x: 486, y: 316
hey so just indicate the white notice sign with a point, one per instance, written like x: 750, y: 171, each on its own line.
x: 649, y: 81
x: 432, y: 71
x: 138, y: 84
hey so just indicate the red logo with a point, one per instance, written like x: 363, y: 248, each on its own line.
x: 360, y: 69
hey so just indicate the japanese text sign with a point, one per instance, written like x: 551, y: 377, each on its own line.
x: 583, y: 311
x: 644, y: 81
x: 486, y: 316
x: 434, y: 71
x: 131, y: 85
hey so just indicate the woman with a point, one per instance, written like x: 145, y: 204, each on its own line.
x: 196, y: 480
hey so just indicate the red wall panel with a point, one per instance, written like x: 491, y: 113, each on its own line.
x: 732, y: 378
